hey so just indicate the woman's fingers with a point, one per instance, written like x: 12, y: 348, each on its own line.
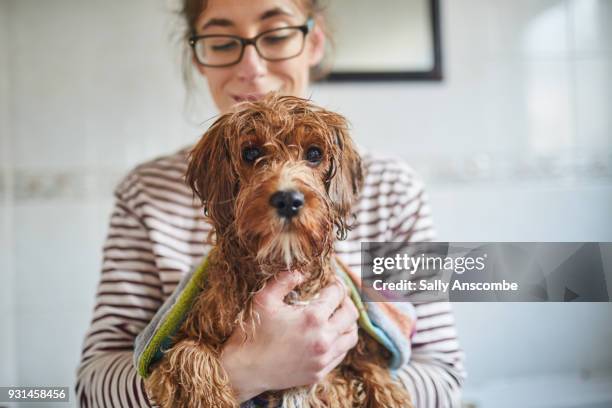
x: 347, y: 340
x: 277, y: 288
x: 345, y: 317
x: 343, y: 345
x: 329, y: 299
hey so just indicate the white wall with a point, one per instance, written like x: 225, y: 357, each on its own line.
x: 7, y: 271
x: 515, y: 144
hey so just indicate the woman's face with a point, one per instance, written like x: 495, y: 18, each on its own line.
x: 253, y: 76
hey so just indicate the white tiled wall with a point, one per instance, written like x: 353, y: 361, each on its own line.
x: 523, y: 78
x: 99, y: 78
x: 515, y: 144
x: 58, y: 253
x: 7, y: 242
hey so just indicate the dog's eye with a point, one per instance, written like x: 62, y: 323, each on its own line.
x: 314, y: 155
x: 251, y: 153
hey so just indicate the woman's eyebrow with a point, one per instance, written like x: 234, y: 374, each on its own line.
x: 224, y: 22
x: 276, y: 11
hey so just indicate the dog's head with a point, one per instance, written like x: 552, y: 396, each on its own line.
x: 278, y: 175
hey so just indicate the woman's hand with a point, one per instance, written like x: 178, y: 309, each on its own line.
x: 292, y: 345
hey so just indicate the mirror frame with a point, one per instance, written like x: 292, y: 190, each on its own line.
x: 435, y: 74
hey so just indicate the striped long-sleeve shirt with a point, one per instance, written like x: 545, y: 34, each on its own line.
x: 157, y: 233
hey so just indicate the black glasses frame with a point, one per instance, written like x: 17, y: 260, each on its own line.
x: 304, y: 28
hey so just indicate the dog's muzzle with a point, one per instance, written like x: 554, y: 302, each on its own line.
x: 287, y: 203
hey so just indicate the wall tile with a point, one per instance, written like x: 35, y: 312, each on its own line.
x: 8, y: 367
x: 459, y: 218
x: 53, y: 342
x: 90, y: 95
x: 495, y: 352
x: 527, y: 28
x: 59, y: 248
x: 550, y: 106
x: 593, y: 100
x: 591, y: 27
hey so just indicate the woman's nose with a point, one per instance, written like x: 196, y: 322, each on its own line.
x: 251, y: 65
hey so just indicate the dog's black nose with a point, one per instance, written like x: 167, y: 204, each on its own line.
x: 287, y: 203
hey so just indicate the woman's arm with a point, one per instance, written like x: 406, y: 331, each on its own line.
x: 128, y: 295
x: 435, y: 373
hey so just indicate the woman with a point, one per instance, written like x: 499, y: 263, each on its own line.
x: 157, y: 233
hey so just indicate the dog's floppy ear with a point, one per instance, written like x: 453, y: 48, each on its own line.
x: 345, y: 178
x: 211, y: 176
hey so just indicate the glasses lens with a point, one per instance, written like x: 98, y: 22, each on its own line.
x: 218, y: 50
x: 281, y: 44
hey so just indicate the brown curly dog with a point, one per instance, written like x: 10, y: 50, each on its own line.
x: 277, y: 178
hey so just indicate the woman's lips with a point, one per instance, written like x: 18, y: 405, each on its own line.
x: 247, y: 97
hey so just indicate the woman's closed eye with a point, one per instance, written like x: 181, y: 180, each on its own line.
x: 227, y: 46
x: 277, y: 39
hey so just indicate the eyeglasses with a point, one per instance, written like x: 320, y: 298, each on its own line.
x: 217, y: 50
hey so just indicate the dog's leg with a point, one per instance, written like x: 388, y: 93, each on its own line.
x: 190, y: 375
x: 368, y: 378
x: 381, y: 390
x: 339, y: 389
x: 373, y: 387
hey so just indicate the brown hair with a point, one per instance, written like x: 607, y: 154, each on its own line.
x: 191, y: 10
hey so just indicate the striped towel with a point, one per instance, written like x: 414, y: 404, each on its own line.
x: 391, y: 324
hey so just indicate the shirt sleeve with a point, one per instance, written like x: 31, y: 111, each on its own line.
x: 435, y: 373
x: 129, y: 292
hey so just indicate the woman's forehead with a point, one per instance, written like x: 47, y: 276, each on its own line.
x: 240, y: 13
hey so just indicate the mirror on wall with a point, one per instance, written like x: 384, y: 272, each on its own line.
x: 385, y: 40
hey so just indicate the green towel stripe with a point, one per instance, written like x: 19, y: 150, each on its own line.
x: 364, y: 319
x: 173, y: 320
